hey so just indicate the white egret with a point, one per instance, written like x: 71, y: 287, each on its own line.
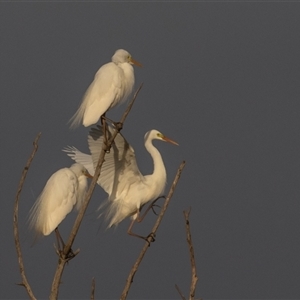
x: 120, y: 177
x: 112, y: 84
x: 64, y: 190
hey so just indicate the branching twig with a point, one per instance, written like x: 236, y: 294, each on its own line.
x: 179, y: 292
x: 192, y: 254
x: 62, y: 262
x: 24, y: 283
x: 93, y: 289
x: 153, y: 232
x: 192, y: 258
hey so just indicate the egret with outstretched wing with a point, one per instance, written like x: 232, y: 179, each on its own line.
x: 120, y: 177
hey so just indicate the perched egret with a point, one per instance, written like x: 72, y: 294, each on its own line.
x: 120, y: 177
x: 112, y: 84
x: 64, y: 190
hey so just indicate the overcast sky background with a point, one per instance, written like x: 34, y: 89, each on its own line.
x: 223, y: 80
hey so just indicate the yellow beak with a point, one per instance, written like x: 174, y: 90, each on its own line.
x: 166, y: 139
x: 134, y: 62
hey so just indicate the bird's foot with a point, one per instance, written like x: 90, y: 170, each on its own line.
x: 70, y: 255
x: 152, y: 207
x: 118, y: 125
x: 150, y: 238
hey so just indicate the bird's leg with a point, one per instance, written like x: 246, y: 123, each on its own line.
x: 146, y: 238
x: 151, y: 206
x: 60, y: 243
x: 140, y: 219
x: 103, y: 121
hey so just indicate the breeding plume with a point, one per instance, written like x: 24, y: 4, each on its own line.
x: 64, y: 190
x: 112, y: 84
x: 120, y: 177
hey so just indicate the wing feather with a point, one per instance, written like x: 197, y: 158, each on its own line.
x: 103, y: 93
x: 119, y: 169
x: 81, y: 158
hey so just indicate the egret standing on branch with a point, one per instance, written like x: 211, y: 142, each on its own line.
x: 64, y: 190
x: 120, y: 177
x: 112, y: 84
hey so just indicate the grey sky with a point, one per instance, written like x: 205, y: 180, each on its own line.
x: 223, y: 80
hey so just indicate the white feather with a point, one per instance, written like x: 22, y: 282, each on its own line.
x: 64, y: 190
x: 120, y: 177
x: 113, y: 83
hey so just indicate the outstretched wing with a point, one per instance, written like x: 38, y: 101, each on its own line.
x: 119, y: 169
x: 81, y: 158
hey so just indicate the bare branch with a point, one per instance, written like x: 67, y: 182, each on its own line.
x: 153, y: 232
x: 93, y: 289
x: 24, y: 283
x: 179, y: 292
x: 62, y: 261
x: 192, y: 254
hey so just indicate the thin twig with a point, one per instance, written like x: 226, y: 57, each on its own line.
x: 153, y: 232
x: 62, y: 262
x: 179, y: 292
x: 192, y: 254
x: 24, y: 283
x: 93, y: 289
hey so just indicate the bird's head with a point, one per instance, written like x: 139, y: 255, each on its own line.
x: 123, y: 56
x: 156, y: 135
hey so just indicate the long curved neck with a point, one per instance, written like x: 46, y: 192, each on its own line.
x: 159, y: 171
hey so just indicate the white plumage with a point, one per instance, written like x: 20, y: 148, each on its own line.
x: 113, y: 83
x: 120, y: 177
x: 64, y: 190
